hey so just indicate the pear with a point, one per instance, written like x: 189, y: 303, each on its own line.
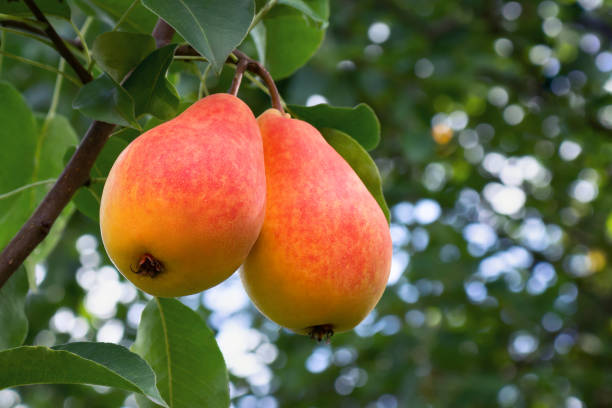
x: 322, y: 260
x: 184, y: 202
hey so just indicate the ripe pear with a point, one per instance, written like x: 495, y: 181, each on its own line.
x: 322, y: 260
x: 184, y: 202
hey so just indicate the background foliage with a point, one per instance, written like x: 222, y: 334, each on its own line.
x: 495, y: 156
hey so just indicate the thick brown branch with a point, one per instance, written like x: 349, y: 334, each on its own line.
x: 59, y: 43
x: 75, y: 175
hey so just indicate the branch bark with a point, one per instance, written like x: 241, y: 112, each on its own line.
x: 75, y: 175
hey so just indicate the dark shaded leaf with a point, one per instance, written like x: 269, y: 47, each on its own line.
x: 359, y: 159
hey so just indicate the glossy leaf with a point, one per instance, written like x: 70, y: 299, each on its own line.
x: 13, y: 319
x: 214, y: 28
x: 18, y: 144
x: 359, y: 159
x: 184, y: 355
x: 148, y: 86
x: 48, y: 7
x: 360, y: 121
x: 289, y: 40
x: 78, y: 363
x: 105, y: 100
x: 55, y: 137
x: 139, y: 19
x: 118, y: 52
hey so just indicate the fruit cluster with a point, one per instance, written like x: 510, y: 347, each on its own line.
x: 189, y: 201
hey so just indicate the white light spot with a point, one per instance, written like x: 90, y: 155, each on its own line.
x: 590, y: 4
x: 111, y: 331
x: 539, y: 54
x: 552, y: 26
x: 423, y: 68
x: 86, y: 242
x: 603, y: 61
x: 512, y: 10
x: 316, y: 99
x: 514, y: 114
x: 404, y: 212
x: 427, y: 211
x: 584, y: 190
x: 522, y: 344
x: 548, y: 9
x: 476, y: 291
x: 498, y: 96
x: 504, y: 199
x: 379, y: 32
x: 399, y: 262
x: 508, y: 395
x: 319, y: 360
x: 503, y: 47
x: 590, y: 43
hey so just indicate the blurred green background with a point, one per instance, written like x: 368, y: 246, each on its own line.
x: 496, y: 156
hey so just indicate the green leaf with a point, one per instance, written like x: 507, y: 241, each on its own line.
x: 78, y: 363
x: 13, y: 319
x: 105, y: 100
x: 18, y: 144
x: 359, y: 159
x: 360, y: 122
x: 318, y: 10
x: 290, y: 40
x: 214, y: 27
x: 55, y: 136
x: 49, y: 7
x: 139, y: 19
x: 87, y: 198
x: 118, y: 52
x: 148, y: 86
x: 183, y: 353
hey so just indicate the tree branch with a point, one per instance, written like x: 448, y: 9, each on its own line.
x: 60, y: 45
x: 75, y: 175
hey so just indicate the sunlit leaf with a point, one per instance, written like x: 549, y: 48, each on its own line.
x: 184, y: 355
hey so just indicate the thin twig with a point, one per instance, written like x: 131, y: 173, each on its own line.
x: 60, y: 45
x: 39, y: 65
x: 74, y: 176
x: 27, y: 186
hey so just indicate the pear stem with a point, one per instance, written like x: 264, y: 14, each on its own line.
x: 257, y: 68
x: 253, y: 66
x: 241, y: 66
